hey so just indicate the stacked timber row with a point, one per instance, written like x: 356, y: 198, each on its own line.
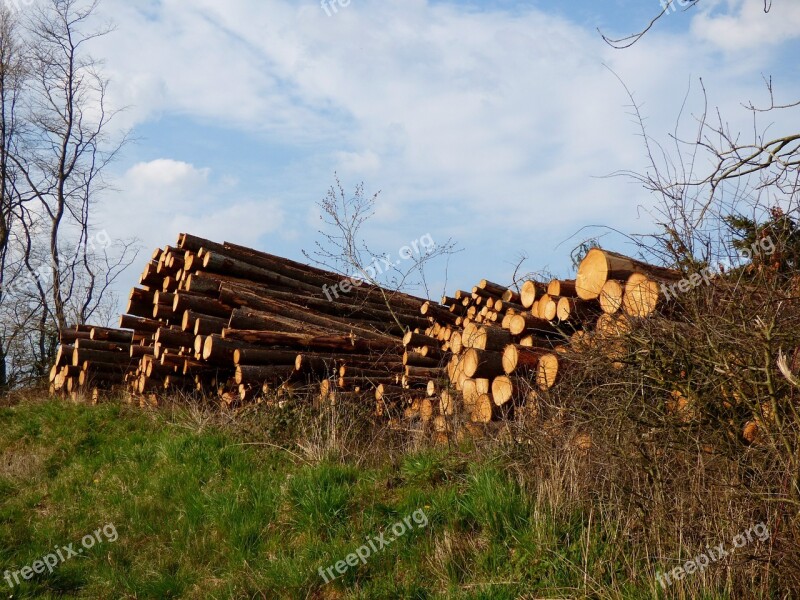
x: 90, y: 358
x: 622, y: 284
x: 235, y: 322
x: 504, y: 346
x: 626, y: 289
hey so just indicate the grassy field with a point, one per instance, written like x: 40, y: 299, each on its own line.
x: 199, y: 511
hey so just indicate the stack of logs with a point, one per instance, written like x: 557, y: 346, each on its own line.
x: 238, y: 324
x: 504, y: 347
x: 233, y: 322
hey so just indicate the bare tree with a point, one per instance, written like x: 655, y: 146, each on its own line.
x: 667, y: 7
x: 69, y: 146
x: 12, y: 73
x: 58, y: 147
x: 342, y: 247
x: 11, y: 76
x: 751, y: 172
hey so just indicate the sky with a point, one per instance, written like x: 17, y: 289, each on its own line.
x: 492, y: 124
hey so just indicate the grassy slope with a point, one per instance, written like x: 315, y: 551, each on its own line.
x: 201, y: 515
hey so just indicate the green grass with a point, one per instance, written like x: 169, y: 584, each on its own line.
x: 200, y: 514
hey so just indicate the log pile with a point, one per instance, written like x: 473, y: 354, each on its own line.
x: 238, y: 324
x: 504, y: 347
x: 230, y: 321
x: 91, y: 358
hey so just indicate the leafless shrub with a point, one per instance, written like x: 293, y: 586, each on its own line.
x: 343, y: 249
x: 692, y: 414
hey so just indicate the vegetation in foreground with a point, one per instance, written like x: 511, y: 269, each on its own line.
x: 203, y: 512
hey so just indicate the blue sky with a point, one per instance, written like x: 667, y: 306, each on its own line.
x: 491, y: 123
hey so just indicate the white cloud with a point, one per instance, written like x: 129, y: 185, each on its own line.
x: 245, y: 222
x: 743, y: 26
x: 163, y: 173
x: 358, y: 162
x: 477, y: 121
x: 161, y: 198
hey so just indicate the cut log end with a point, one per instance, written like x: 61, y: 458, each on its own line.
x: 547, y: 371
x: 641, y: 296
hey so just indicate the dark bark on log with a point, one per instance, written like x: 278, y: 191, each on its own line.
x: 413, y: 359
x: 81, y: 356
x: 342, y: 343
x: 101, y: 345
x: 424, y: 374
x: 64, y: 355
x: 174, y: 339
x: 140, y: 351
x: 479, y: 364
x: 418, y: 339
x: 69, y: 336
x: 208, y: 306
x: 111, y: 335
x: 139, y: 323
x: 191, y: 317
x: 259, y: 356
x: 292, y: 311
x: 256, y: 375
x: 247, y: 318
x: 220, y: 263
x: 209, y: 325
